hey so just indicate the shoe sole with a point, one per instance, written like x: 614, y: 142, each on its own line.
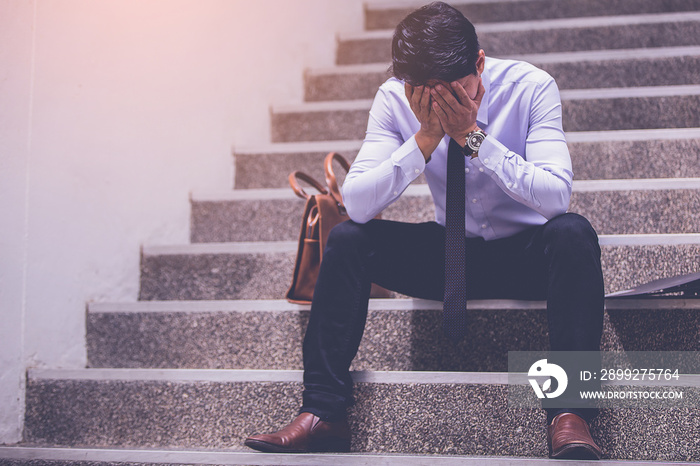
x: 576, y: 451
x: 327, y: 446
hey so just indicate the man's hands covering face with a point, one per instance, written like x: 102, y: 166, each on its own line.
x: 455, y: 110
x: 421, y: 104
x: 443, y: 110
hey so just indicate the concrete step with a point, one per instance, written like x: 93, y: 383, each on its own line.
x: 469, y: 413
x: 401, y: 334
x: 583, y: 110
x: 217, y: 271
x: 572, y: 70
x: 665, y: 153
x: 48, y: 456
x: 386, y: 15
x: 612, y: 206
x: 547, y: 36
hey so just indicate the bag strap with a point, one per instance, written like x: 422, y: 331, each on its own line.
x: 333, y: 188
x: 294, y: 179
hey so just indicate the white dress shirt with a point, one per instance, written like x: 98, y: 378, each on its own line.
x: 522, y: 176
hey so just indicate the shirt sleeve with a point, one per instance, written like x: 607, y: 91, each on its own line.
x: 540, y: 178
x: 385, y: 165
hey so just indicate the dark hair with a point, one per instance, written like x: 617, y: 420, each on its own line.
x: 434, y: 42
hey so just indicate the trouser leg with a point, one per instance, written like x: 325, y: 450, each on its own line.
x: 575, y: 292
x: 558, y: 261
x: 408, y: 258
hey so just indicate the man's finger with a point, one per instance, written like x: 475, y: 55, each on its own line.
x: 461, y: 92
x: 417, y: 96
x: 425, y: 99
x: 408, y: 89
x: 447, y: 97
x: 440, y: 112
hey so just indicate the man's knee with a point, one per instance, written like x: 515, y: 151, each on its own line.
x: 571, y: 231
x: 347, y: 233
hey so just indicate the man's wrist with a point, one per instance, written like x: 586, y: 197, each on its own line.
x: 461, y: 138
x: 472, y: 142
x: 427, y: 143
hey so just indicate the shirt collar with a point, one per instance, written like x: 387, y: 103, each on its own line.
x: 482, y: 116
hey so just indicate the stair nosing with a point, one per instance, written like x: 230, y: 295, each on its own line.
x: 381, y: 5
x: 261, y: 375
x: 303, y: 146
x: 296, y: 376
x: 565, y: 94
x: 375, y: 305
x: 271, y: 247
x: 422, y: 190
x: 547, y: 24
x: 579, y: 56
x: 216, y: 456
x: 630, y: 92
x: 283, y: 148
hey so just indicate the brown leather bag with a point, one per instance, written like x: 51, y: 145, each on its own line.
x: 322, y: 212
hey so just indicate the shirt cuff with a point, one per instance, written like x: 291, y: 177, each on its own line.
x: 409, y: 159
x: 491, y: 153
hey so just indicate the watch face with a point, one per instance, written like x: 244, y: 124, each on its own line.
x: 475, y: 139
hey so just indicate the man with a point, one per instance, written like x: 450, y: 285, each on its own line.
x: 503, y: 121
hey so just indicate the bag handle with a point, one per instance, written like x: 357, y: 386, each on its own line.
x: 333, y: 188
x: 294, y: 179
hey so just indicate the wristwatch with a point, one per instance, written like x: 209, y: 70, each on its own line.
x: 474, y: 140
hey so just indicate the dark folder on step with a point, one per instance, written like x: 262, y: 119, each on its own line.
x: 681, y: 286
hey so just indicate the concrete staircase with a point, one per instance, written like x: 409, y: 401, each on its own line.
x: 212, y: 353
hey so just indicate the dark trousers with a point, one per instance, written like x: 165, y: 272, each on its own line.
x: 558, y: 261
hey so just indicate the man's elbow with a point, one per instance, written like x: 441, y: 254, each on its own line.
x: 558, y: 206
x: 357, y: 213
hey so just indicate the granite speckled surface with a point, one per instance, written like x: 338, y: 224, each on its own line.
x: 506, y: 43
x: 410, y: 417
x: 610, y: 212
x: 393, y: 340
x: 267, y: 276
x: 631, y: 113
x: 319, y: 126
x: 570, y: 75
x: 254, y: 171
x: 591, y: 161
x: 636, y: 159
x: 627, y: 266
x: 388, y: 18
x: 216, y: 276
x: 578, y: 115
x: 343, y: 86
x: 279, y: 219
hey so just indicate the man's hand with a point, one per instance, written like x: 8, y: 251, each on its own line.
x: 431, y: 132
x: 456, y: 110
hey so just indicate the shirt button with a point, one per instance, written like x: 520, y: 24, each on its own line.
x: 484, y: 226
x: 396, y: 193
x: 466, y: 170
x: 417, y: 171
x: 474, y: 201
x: 510, y: 185
x: 486, y: 160
x: 481, y: 169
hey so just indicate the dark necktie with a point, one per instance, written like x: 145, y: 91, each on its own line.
x: 455, y: 303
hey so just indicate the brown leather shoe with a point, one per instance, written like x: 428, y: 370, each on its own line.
x: 568, y: 437
x: 306, y: 433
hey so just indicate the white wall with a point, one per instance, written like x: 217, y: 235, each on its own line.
x: 111, y: 113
